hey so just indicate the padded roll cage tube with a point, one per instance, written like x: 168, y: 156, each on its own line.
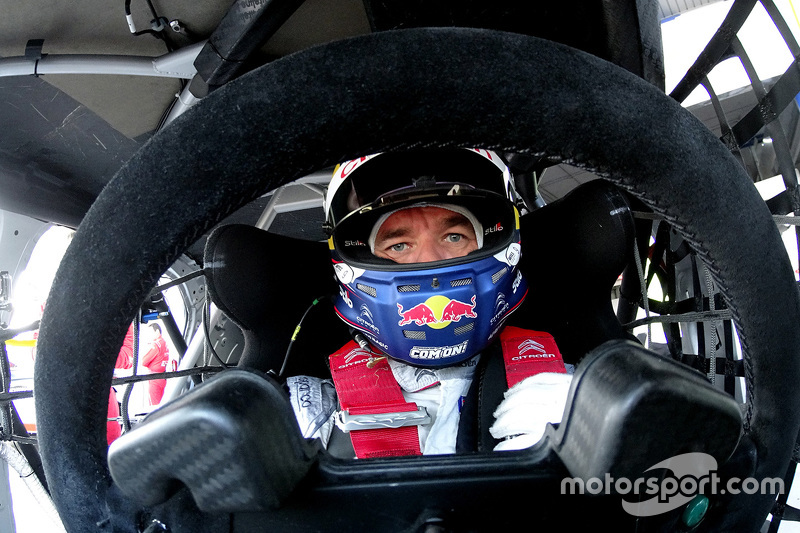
x: 177, y: 64
x: 246, y: 26
x: 552, y: 100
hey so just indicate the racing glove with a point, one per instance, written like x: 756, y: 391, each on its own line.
x: 527, y: 408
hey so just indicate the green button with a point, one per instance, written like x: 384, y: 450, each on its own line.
x: 695, y: 511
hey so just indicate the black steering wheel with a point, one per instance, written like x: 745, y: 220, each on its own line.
x: 411, y: 88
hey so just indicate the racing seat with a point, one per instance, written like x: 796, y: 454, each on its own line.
x: 264, y: 282
x: 573, y: 251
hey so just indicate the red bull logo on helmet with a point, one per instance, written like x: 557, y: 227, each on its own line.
x: 437, y: 312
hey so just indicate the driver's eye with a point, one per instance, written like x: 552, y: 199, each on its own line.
x: 454, y: 237
x: 399, y: 247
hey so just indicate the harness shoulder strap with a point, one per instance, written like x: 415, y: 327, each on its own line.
x: 527, y: 352
x: 366, y: 386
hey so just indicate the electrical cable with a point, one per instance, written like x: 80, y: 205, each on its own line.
x: 294, y: 335
x: 126, y: 421
x: 165, y: 375
x: 177, y: 281
x: 791, y: 4
x: 157, y: 20
x: 152, y: 9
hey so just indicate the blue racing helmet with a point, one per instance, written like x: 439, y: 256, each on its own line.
x: 431, y: 314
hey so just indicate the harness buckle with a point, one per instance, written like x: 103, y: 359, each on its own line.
x: 347, y: 422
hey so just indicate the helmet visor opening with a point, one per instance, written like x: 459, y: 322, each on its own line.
x: 494, y: 213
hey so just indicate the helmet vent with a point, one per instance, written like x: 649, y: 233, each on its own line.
x: 367, y: 289
x: 416, y: 335
x: 461, y: 282
x: 466, y: 328
x: 499, y: 274
x: 408, y: 288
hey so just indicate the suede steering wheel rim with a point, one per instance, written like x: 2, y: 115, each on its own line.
x: 410, y: 88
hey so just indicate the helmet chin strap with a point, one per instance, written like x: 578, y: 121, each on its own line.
x: 463, y: 211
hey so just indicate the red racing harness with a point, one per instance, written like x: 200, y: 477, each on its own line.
x: 382, y: 423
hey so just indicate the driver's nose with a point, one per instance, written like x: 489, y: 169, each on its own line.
x: 429, y: 252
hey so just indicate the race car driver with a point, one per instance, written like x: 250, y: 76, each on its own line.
x: 425, y: 245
